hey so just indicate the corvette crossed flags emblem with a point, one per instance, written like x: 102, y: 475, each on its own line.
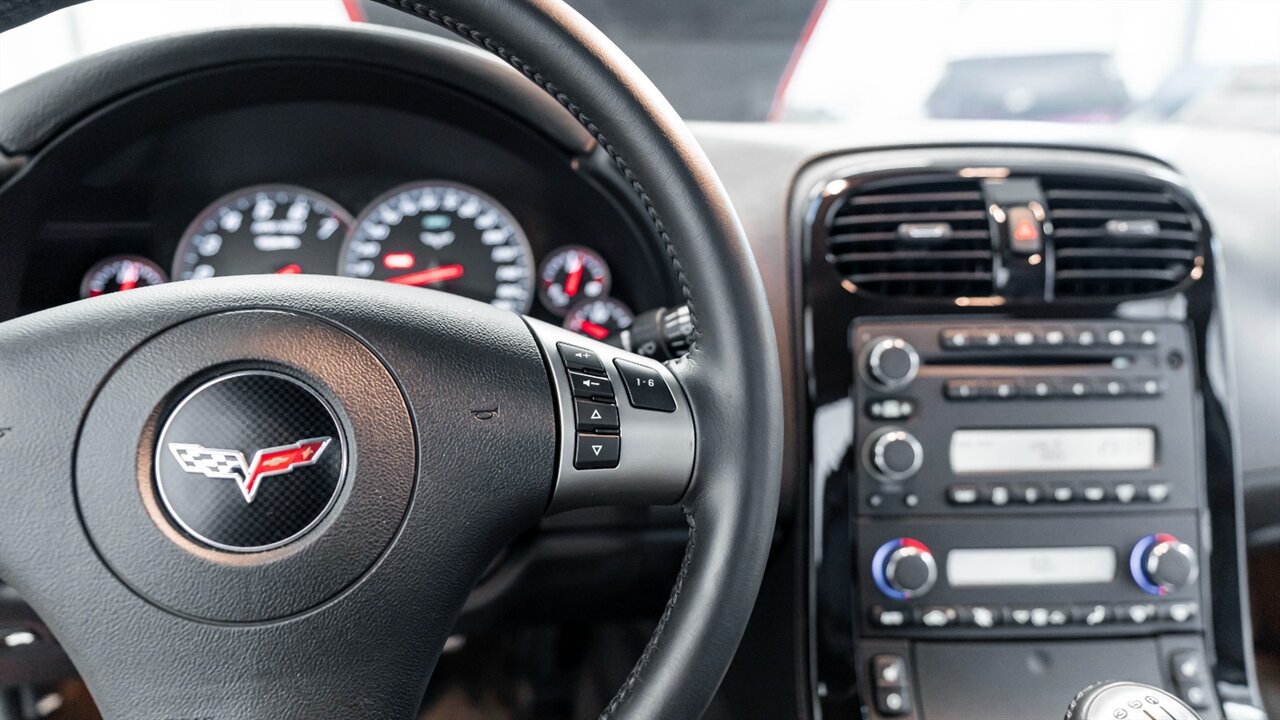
x: 230, y: 464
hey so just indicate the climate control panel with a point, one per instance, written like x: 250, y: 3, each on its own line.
x: 942, y: 577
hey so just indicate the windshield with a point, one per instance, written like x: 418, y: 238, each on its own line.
x: 1153, y: 61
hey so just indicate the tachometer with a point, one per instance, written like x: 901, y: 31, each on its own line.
x: 262, y: 230
x: 571, y: 274
x: 443, y: 236
x: 122, y: 272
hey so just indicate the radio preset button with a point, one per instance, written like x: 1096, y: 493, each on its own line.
x: 1029, y: 493
x: 998, y: 494
x: 1094, y: 492
x: 891, y: 362
x: 956, y: 338
x: 961, y: 389
x: 1062, y: 492
x: 1084, y: 337
x: 962, y: 494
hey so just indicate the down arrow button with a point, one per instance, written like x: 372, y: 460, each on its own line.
x: 597, y: 451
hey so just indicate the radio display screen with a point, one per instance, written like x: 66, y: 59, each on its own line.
x: 1053, y: 450
x: 1031, y: 566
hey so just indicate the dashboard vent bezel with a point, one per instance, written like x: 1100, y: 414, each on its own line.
x: 988, y: 169
x: 1117, y: 238
x: 912, y: 236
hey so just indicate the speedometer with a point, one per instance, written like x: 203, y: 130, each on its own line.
x: 443, y: 236
x: 268, y: 229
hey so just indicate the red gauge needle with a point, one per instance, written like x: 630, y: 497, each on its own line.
x: 290, y: 269
x: 429, y: 276
x: 574, y: 280
x: 599, y: 332
x: 129, y: 278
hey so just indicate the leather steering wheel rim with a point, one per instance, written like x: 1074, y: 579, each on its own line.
x: 731, y: 374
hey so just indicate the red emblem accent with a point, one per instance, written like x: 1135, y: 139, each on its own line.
x: 215, y: 463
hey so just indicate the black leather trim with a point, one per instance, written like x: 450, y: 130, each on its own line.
x: 732, y: 373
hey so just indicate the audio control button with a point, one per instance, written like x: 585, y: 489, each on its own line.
x: 893, y: 454
x: 891, y: 362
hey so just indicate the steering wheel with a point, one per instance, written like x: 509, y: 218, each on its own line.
x: 270, y: 496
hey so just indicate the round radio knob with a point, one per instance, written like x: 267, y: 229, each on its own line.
x: 893, y: 454
x: 904, y: 568
x: 891, y: 362
x: 1161, y: 563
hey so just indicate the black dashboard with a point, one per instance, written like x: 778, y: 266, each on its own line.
x: 934, y: 290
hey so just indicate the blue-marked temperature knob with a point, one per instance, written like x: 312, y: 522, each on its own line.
x: 1161, y: 563
x: 904, y: 568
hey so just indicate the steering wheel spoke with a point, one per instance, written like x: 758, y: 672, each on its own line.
x: 625, y: 429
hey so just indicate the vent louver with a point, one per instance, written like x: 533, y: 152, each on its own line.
x: 1118, y: 237
x: 913, y: 237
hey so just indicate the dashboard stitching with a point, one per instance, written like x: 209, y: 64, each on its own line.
x: 634, y: 676
x: 481, y: 39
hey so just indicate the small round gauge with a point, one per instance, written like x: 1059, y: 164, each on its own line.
x: 268, y: 229
x: 122, y: 272
x: 572, y: 274
x: 599, y: 319
x: 443, y: 236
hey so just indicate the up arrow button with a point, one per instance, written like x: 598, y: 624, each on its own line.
x: 594, y: 417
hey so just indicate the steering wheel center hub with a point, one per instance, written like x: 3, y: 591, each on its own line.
x: 240, y: 431
x: 250, y: 461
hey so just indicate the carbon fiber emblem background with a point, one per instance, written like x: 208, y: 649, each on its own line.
x: 250, y: 461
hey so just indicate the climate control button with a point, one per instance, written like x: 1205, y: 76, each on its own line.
x: 904, y: 568
x: 1161, y: 563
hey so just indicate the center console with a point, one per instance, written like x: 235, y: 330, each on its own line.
x: 1022, y: 475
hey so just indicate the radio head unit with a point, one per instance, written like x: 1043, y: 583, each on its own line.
x: 1017, y: 416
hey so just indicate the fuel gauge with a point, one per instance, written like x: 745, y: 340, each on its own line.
x: 599, y: 319
x: 121, y: 272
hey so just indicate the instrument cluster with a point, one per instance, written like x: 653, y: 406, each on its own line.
x: 435, y: 234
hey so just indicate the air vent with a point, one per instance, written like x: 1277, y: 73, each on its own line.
x: 1119, y: 237
x: 919, y: 236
